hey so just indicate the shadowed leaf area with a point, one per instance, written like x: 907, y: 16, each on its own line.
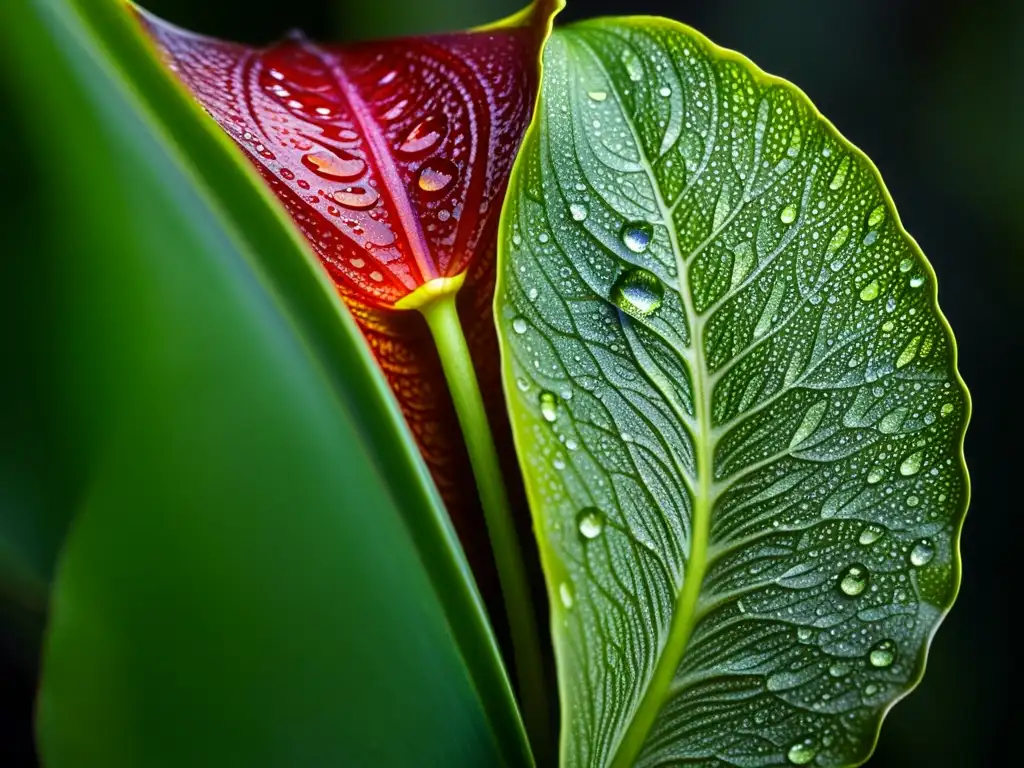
x: 736, y: 405
x: 392, y: 158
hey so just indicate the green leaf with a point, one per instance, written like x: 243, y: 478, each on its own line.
x: 736, y: 405
x: 260, y: 571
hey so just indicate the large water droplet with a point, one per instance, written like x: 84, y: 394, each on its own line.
x: 597, y: 95
x: 424, y: 137
x: 357, y: 198
x: 590, y: 522
x: 437, y: 176
x: 877, y: 216
x: 883, y: 654
x: 548, y: 405
x: 870, y: 534
x: 565, y: 594
x: 788, y: 214
x: 854, y: 579
x: 911, y: 465
x: 870, y: 291
x: 802, y: 752
x: 519, y: 325
x: 578, y: 211
x: 637, y: 235
x: 334, y: 166
x: 922, y: 553
x: 637, y: 292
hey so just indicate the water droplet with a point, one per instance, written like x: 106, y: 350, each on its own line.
x: 334, y: 166
x: 947, y: 408
x: 548, y: 406
x: 637, y: 292
x: 883, y: 654
x: 838, y: 239
x: 665, y: 91
x: 922, y: 553
x: 870, y: 291
x: 634, y: 68
x: 870, y: 534
x: 804, y: 634
x: 870, y: 689
x: 357, y: 198
x: 854, y: 579
x: 637, y: 236
x: 590, y: 522
x: 523, y: 384
x: 875, y: 476
x: 437, y: 176
x: 597, y: 95
x: 565, y: 593
x: 788, y: 214
x: 839, y: 669
x: 877, y: 216
x: 578, y: 211
x: 916, y: 282
x: 906, y: 265
x: 802, y: 752
x: 519, y: 325
x: 424, y: 137
x: 911, y: 465
x: 840, y: 178
x: 909, y: 352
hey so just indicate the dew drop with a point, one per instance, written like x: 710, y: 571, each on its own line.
x: 838, y: 239
x: 637, y: 236
x: 877, y: 216
x: 870, y: 535
x: 802, y: 752
x: 437, y: 176
x: 906, y: 265
x: 565, y: 593
x: 637, y: 292
x: 804, y: 634
x: 424, y: 137
x: 883, y: 654
x: 875, y: 476
x: 854, y: 579
x: 548, y: 406
x: 340, y: 166
x: 788, y: 214
x: 947, y: 408
x: 870, y: 291
x: 916, y: 282
x: 665, y: 91
x: 633, y: 66
x: 597, y: 95
x: 519, y: 325
x: 911, y: 465
x: 590, y: 522
x: 578, y: 211
x: 922, y: 553
x: 357, y: 198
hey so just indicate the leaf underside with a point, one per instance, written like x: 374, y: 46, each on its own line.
x: 392, y: 158
x: 736, y: 407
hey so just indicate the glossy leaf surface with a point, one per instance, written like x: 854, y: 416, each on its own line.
x: 736, y: 404
x: 260, y: 572
x: 392, y: 158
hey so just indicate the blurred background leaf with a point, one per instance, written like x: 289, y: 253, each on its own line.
x: 932, y: 90
x: 259, y: 572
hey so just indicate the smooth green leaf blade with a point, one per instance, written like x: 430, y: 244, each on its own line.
x: 736, y: 405
x: 261, y: 572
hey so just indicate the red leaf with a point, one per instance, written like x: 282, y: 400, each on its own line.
x: 392, y: 157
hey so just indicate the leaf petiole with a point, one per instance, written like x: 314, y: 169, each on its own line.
x: 442, y: 317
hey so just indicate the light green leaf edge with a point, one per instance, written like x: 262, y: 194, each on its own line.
x: 523, y: 420
x: 291, y: 273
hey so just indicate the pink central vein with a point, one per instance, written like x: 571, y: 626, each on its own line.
x: 385, y: 164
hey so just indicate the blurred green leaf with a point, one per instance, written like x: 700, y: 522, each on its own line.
x: 260, y: 571
x: 736, y: 405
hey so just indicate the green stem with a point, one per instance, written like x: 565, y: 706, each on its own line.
x: 443, y: 318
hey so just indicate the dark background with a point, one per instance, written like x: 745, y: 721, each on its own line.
x: 933, y: 91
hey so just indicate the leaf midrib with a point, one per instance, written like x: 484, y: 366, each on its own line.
x: 696, y: 564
